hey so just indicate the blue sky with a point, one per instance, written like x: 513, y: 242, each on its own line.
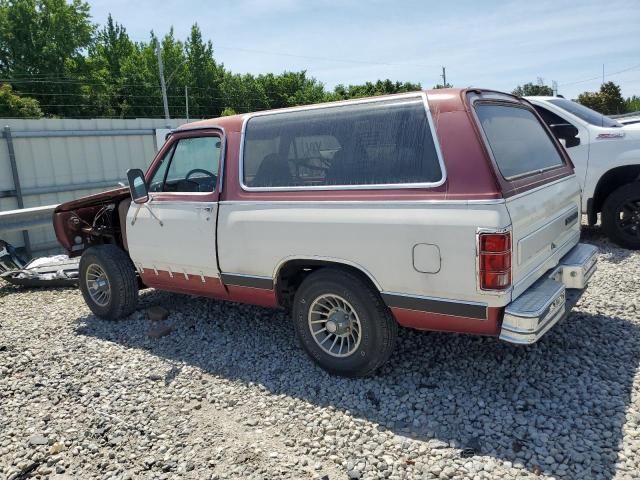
x: 490, y: 44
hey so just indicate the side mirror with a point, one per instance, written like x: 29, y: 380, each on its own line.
x: 566, y: 132
x: 137, y: 186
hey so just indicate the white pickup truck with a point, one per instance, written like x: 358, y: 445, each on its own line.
x: 606, y: 156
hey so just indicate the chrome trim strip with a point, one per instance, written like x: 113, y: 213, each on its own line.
x: 177, y: 202
x: 497, y: 201
x: 413, y: 95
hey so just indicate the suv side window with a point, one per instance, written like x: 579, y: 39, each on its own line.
x: 191, y: 165
x: 519, y: 143
x: 373, y: 143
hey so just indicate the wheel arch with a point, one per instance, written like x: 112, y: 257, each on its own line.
x: 611, y: 181
x: 291, y: 271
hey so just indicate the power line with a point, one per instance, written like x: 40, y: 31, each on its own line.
x: 86, y: 82
x: 126, y: 95
x: 599, y: 76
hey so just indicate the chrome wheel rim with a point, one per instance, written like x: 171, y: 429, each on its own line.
x: 334, y: 325
x: 98, y: 285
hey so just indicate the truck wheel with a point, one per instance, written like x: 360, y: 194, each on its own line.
x: 342, y: 323
x: 108, y: 282
x: 621, y: 216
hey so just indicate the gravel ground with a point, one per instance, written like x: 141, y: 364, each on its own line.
x: 227, y: 393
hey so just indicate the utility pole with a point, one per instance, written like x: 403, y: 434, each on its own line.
x: 162, y: 84
x: 603, y: 74
x: 554, y: 87
x: 444, y: 77
x: 186, y: 100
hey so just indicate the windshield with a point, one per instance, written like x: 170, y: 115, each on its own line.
x: 586, y: 114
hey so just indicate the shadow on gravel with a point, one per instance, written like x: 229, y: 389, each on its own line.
x: 557, y: 407
x: 595, y: 235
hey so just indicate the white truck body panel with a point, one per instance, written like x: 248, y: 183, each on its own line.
x: 595, y: 156
x: 377, y: 237
x: 185, y: 243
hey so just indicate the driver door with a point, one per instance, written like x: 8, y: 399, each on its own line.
x: 172, y: 237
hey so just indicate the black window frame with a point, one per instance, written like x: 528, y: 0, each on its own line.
x: 374, y: 186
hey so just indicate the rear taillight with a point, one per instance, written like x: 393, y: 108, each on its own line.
x: 494, y: 260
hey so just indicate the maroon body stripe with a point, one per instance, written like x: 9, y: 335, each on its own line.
x: 447, y: 323
x: 212, y: 287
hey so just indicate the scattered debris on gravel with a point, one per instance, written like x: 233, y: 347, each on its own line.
x: 226, y: 393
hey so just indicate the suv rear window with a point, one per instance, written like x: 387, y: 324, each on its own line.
x: 519, y: 142
x: 373, y: 143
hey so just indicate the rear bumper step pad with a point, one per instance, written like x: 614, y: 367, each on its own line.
x: 551, y: 298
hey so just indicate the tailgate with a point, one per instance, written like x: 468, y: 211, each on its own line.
x: 542, y: 193
x: 546, y: 225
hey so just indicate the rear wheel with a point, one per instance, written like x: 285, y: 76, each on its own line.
x: 108, y: 282
x: 621, y: 216
x: 342, y: 323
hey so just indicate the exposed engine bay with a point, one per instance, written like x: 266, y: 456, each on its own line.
x: 94, y: 221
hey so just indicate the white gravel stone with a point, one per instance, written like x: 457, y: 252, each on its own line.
x: 228, y: 394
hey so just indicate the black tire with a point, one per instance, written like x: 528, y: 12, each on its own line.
x: 628, y: 237
x: 377, y: 327
x: 122, y: 281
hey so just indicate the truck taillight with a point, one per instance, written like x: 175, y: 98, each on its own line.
x: 494, y: 260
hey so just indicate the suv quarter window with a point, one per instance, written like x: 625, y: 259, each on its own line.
x: 518, y: 141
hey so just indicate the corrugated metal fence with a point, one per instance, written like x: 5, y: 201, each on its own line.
x: 50, y: 161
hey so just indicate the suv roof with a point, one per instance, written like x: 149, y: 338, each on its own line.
x: 441, y: 100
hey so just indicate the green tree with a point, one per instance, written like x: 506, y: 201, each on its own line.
x: 50, y: 50
x: 41, y: 49
x: 228, y: 111
x: 12, y: 105
x: 369, y: 89
x: 204, y: 76
x: 632, y: 104
x: 107, y: 55
x: 289, y: 89
x: 607, y: 101
x: 612, y: 101
x: 532, y: 90
x: 591, y: 100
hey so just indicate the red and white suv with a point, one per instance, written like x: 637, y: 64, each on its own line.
x: 451, y: 210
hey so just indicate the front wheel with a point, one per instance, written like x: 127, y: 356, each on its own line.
x: 108, y: 282
x: 621, y: 216
x: 342, y: 323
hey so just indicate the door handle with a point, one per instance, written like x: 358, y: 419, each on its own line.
x: 207, y: 212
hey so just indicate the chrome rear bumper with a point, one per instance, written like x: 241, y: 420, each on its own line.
x: 547, y: 301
